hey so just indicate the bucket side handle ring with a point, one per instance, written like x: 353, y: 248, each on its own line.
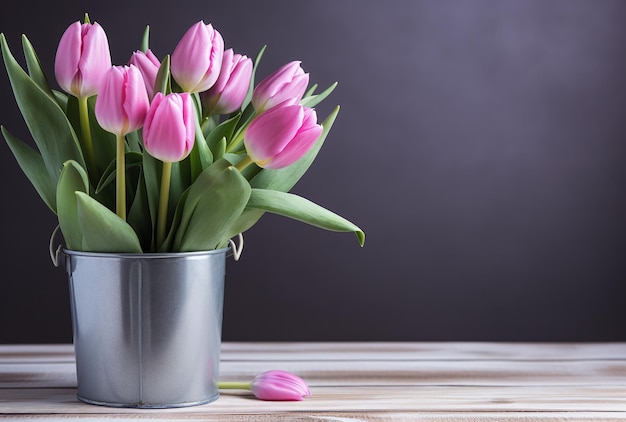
x: 237, y: 250
x: 55, y: 253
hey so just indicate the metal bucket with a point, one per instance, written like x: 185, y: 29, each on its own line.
x: 147, y: 327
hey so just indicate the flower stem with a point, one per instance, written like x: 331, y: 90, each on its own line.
x: 243, y: 163
x: 120, y: 178
x: 86, y: 142
x: 163, y: 202
x: 234, y: 385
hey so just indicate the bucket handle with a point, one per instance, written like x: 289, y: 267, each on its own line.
x: 237, y: 250
x: 54, y: 253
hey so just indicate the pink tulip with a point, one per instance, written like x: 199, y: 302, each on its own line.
x: 281, y: 135
x: 231, y: 86
x: 197, y: 58
x: 82, y: 58
x: 279, y: 385
x: 286, y: 85
x: 148, y: 65
x: 169, y: 129
x: 122, y: 104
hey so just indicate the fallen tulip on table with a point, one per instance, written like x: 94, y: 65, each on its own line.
x: 273, y: 385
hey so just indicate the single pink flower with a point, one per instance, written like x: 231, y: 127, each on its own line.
x: 169, y: 129
x: 148, y: 64
x: 122, y: 102
x: 197, y: 59
x: 285, y: 86
x: 281, y: 135
x: 82, y: 58
x: 279, y: 385
x: 231, y: 86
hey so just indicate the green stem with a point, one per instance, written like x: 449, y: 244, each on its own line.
x: 234, y: 385
x: 85, y: 141
x: 243, y: 163
x: 163, y: 202
x: 120, y: 178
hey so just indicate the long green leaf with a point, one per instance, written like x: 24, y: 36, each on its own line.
x: 301, y: 209
x: 313, y: 100
x: 133, y: 159
x: 32, y: 165
x: 103, y: 230
x: 46, y: 121
x: 152, y: 177
x: 257, y: 60
x: 145, y: 40
x: 139, y: 213
x: 163, y: 80
x: 34, y: 67
x: 223, y: 130
x: 214, y: 202
x: 73, y: 179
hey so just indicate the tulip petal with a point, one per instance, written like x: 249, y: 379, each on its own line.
x: 269, y: 133
x: 197, y: 59
x: 279, y: 385
x: 68, y: 56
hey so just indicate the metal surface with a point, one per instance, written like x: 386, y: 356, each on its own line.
x: 147, y: 327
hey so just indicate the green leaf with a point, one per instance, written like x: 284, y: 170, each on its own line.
x: 103, y: 230
x: 73, y: 179
x: 145, y: 40
x: 163, y: 79
x: 134, y: 141
x: 34, y: 66
x: 139, y: 215
x: 46, y: 121
x: 133, y: 159
x: 214, y: 202
x: 257, y: 60
x: 152, y: 177
x: 226, y: 129
x: 310, y: 91
x: 313, y: 100
x: 61, y: 99
x: 201, y: 156
x: 301, y: 209
x: 32, y: 165
x: 167, y: 243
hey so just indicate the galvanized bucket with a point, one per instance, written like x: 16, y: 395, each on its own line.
x: 147, y: 327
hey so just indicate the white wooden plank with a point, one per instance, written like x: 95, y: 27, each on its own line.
x: 402, y: 373
x: 352, y: 399
x: 345, y: 417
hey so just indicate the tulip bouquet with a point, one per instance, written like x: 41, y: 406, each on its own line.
x: 171, y: 155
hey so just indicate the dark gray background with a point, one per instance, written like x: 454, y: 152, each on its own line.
x: 481, y: 146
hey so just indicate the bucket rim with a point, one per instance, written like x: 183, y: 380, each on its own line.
x: 146, y: 255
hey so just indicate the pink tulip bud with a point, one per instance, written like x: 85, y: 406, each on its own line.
x: 285, y: 86
x: 82, y: 58
x: 148, y: 65
x: 169, y: 129
x: 281, y: 135
x: 197, y: 58
x: 231, y: 86
x: 279, y: 385
x: 122, y: 102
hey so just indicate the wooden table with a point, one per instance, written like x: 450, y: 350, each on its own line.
x: 360, y: 381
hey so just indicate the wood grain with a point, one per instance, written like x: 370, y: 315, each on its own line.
x: 359, y: 381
